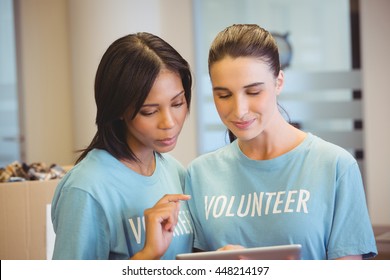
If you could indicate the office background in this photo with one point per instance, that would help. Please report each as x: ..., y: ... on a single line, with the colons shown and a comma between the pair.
x: 59, y: 44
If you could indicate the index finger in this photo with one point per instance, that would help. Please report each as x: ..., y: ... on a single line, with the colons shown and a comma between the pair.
x: 174, y: 198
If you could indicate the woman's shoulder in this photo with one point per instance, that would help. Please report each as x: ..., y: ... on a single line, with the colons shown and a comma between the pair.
x: 330, y: 150
x: 93, y: 169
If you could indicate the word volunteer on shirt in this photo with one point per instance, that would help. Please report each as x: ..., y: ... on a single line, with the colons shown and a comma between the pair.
x: 182, y: 227
x: 257, y: 204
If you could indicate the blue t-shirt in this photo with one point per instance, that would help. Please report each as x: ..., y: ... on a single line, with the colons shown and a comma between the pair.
x: 312, y: 195
x: 97, y: 209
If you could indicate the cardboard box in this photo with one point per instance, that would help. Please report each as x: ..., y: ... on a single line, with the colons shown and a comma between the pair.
x: 23, y: 216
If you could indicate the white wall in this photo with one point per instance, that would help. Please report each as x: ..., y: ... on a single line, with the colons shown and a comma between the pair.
x: 375, y: 42
x: 44, y: 80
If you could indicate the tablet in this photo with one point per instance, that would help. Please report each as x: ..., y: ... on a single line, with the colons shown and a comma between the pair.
x: 279, y: 252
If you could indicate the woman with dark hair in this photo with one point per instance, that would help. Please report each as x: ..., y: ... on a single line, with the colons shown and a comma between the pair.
x: 122, y: 198
x: 273, y: 184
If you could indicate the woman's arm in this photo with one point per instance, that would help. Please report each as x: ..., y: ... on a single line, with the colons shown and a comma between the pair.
x: 355, y: 257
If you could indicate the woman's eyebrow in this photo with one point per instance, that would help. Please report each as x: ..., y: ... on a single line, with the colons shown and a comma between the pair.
x: 220, y: 88
x: 254, y: 85
x: 177, y: 95
x: 247, y: 86
x: 156, y: 105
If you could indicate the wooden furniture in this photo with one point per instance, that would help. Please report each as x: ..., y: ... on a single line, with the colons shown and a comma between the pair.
x: 382, y: 236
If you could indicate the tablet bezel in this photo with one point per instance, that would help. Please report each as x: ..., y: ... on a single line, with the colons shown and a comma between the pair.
x: 279, y: 252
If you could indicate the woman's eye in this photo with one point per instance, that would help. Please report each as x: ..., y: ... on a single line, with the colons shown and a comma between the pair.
x: 253, y: 93
x: 147, y: 113
x: 223, y: 96
x: 178, y: 104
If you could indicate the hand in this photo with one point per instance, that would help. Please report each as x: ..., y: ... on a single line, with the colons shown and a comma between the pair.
x: 160, y: 222
x: 231, y: 247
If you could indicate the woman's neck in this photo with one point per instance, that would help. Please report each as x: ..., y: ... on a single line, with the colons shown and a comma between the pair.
x: 144, y: 166
x: 269, y: 145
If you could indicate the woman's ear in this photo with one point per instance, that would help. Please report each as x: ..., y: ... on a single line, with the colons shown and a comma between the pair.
x: 279, y: 82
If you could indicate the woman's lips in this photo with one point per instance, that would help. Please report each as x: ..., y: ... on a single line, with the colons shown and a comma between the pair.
x: 168, y: 141
x: 243, y: 124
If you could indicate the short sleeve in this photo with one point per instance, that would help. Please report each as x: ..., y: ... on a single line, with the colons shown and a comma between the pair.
x: 81, y: 227
x: 351, y: 232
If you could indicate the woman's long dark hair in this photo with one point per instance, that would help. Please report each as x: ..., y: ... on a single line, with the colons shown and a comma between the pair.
x: 246, y: 40
x: 124, y: 78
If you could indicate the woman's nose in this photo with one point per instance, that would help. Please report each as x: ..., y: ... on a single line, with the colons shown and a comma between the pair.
x: 241, y: 106
x: 167, y: 120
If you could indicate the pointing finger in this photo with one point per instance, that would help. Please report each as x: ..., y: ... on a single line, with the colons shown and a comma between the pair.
x: 174, y: 198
